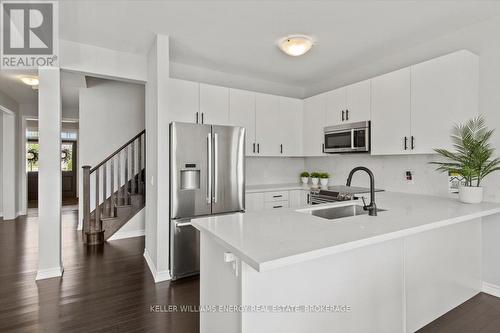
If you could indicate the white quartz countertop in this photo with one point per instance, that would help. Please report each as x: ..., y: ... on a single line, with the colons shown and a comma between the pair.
x: 276, y: 187
x: 271, y: 239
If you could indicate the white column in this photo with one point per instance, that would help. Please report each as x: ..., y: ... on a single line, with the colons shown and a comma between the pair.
x: 9, y: 166
x: 156, y: 252
x: 49, y: 174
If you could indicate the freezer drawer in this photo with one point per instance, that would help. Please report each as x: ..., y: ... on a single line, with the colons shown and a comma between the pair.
x: 184, y: 249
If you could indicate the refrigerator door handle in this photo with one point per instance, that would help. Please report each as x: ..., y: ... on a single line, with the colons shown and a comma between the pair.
x: 209, y: 182
x: 216, y: 167
x: 182, y: 224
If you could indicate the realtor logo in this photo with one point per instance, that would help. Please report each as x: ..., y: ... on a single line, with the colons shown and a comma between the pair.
x: 29, y: 34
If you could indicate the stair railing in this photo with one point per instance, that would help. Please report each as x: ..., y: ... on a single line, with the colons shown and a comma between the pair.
x: 133, y: 153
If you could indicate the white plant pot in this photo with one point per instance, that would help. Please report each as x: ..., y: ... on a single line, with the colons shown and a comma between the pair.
x: 470, y: 194
x: 305, y: 180
x: 315, y: 181
x: 324, y: 181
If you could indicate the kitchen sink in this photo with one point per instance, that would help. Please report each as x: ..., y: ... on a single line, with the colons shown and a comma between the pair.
x: 340, y: 212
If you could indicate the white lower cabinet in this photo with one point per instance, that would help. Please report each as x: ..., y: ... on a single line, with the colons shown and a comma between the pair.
x: 254, y: 201
x: 276, y: 200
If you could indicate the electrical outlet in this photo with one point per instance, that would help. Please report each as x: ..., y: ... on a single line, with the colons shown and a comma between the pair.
x: 409, y: 177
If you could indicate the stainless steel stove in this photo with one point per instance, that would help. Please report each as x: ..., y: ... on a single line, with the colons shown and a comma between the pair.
x: 319, y: 196
x: 336, y: 193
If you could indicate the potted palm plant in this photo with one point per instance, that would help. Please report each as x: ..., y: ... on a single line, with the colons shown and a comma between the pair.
x: 304, y: 176
x: 315, y: 178
x: 323, y: 178
x: 472, y: 158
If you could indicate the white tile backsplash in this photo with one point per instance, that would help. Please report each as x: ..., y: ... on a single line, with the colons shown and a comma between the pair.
x: 273, y: 170
x: 389, y: 172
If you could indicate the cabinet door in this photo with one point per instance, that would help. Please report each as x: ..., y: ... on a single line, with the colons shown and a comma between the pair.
x: 335, y: 106
x: 254, y: 201
x: 391, y: 105
x: 183, y: 100
x: 214, y: 104
x: 441, y: 93
x: 297, y: 198
x: 314, y: 119
x: 242, y: 113
x: 268, y: 124
x: 291, y: 126
x: 358, y: 102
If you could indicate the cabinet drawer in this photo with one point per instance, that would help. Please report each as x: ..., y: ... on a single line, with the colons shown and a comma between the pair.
x: 276, y: 196
x: 276, y: 204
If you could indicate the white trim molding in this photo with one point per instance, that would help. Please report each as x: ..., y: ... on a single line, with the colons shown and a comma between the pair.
x: 490, y: 289
x: 48, y: 273
x: 157, y: 276
x: 126, y: 234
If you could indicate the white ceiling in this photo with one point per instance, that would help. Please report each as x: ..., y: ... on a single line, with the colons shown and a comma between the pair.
x: 11, y: 85
x: 239, y: 37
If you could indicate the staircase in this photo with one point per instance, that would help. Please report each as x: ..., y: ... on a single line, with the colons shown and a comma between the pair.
x: 114, y: 191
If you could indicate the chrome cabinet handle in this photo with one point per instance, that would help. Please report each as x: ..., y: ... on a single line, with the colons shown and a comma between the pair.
x: 352, y: 138
x: 342, y: 115
x: 216, y: 166
x: 254, y: 147
x: 202, y: 116
x: 277, y: 206
x: 346, y: 114
x: 197, y: 117
x: 209, y: 182
x: 406, y: 143
x: 258, y: 148
x: 281, y: 148
x: 277, y: 196
x: 412, y: 142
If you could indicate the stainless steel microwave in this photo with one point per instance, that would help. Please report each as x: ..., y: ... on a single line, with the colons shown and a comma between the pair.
x: 347, y: 138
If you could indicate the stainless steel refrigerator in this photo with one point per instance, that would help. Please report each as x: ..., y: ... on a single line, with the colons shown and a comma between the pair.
x: 207, y: 176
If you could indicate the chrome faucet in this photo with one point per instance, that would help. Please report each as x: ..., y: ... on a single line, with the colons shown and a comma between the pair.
x: 372, y: 207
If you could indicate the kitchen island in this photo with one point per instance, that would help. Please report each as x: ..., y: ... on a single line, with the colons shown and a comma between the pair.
x: 291, y: 271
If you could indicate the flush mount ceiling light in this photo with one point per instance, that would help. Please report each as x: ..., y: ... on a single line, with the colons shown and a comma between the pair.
x: 30, y: 80
x: 295, y: 45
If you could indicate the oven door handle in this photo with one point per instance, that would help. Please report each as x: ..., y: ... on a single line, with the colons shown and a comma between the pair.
x: 352, y: 139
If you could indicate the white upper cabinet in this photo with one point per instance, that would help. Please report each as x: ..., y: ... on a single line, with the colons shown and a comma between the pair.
x: 335, y: 106
x: 444, y: 91
x: 183, y: 101
x: 267, y: 124
x: 348, y: 104
x: 242, y: 113
x: 314, y: 117
x: 421, y: 104
x: 290, y: 127
x: 358, y: 101
x: 214, y: 104
x: 390, y: 116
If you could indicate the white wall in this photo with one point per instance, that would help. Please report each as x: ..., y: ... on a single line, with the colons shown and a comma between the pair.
x: 110, y: 114
x: 273, y: 170
x: 389, y: 172
x: 218, y: 78
x: 157, y: 150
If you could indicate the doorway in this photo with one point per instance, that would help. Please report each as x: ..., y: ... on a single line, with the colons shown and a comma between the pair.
x: 69, y: 164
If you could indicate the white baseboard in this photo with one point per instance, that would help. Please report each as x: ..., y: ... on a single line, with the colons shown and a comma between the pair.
x: 49, y: 273
x: 491, y: 289
x: 157, y: 276
x: 126, y: 234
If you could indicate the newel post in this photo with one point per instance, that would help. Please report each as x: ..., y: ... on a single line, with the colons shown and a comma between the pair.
x: 94, y: 235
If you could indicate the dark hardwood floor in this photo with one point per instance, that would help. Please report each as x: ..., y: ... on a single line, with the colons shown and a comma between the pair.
x: 109, y: 289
